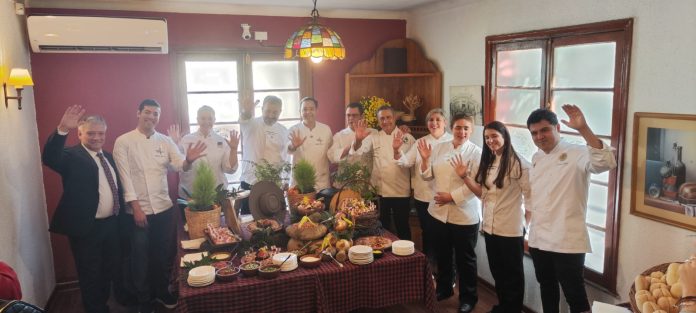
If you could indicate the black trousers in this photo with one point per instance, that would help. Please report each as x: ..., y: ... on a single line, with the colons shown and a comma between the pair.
x: 96, y: 258
x: 461, y: 238
x: 505, y: 261
x: 244, y: 203
x: 152, y: 255
x: 422, y: 210
x: 399, y: 208
x: 552, y: 268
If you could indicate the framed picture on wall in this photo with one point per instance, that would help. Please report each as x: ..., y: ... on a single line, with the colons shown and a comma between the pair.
x: 467, y: 99
x: 663, y: 186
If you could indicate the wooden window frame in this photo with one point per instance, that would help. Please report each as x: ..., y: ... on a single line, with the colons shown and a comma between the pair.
x: 622, y: 31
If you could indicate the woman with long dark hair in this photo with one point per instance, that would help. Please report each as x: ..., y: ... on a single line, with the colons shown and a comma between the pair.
x: 502, y: 183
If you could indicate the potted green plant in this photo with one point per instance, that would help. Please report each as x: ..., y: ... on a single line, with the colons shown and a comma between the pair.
x: 202, y: 206
x: 274, y: 173
x: 304, y: 177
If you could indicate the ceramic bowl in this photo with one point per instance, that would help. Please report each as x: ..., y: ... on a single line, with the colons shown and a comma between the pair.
x: 250, y: 269
x: 227, y: 274
x: 269, y: 271
x: 377, y: 254
x: 310, y: 261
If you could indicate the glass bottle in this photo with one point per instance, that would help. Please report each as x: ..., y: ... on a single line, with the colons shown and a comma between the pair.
x: 679, y: 169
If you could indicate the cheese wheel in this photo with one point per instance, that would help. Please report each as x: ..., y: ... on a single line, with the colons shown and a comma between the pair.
x: 673, y: 273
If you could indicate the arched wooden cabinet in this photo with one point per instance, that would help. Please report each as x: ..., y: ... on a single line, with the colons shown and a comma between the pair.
x: 421, y: 78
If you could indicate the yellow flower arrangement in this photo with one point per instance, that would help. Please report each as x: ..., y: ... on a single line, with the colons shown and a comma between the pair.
x: 371, y: 105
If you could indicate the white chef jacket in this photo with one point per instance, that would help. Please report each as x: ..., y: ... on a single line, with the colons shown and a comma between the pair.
x: 217, y: 155
x: 442, y: 178
x: 314, y: 149
x: 421, y: 189
x: 259, y: 142
x: 105, y: 208
x: 390, y: 179
x: 143, y: 163
x: 560, y: 182
x: 503, y: 213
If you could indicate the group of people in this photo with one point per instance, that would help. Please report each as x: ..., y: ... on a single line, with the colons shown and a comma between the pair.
x: 458, y: 188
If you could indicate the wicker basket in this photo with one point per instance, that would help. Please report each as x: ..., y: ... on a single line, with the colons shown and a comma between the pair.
x: 198, y: 221
x: 294, y: 199
x: 632, y: 292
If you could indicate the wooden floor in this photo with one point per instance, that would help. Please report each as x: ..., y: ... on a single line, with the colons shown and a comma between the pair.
x: 68, y: 301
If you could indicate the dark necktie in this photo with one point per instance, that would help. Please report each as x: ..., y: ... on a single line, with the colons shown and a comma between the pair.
x: 110, y: 179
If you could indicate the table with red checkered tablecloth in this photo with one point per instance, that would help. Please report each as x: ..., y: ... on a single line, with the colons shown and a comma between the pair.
x: 387, y: 281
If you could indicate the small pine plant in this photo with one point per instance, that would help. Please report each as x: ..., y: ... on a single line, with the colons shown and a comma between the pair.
x: 204, y: 194
x: 305, y: 176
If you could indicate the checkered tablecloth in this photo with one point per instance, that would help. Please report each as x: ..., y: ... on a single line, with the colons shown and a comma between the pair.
x: 328, y: 288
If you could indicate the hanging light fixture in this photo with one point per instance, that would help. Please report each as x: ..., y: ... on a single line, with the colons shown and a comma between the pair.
x: 315, y: 41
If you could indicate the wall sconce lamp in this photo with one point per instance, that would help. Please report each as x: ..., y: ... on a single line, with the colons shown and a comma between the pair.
x: 19, y: 77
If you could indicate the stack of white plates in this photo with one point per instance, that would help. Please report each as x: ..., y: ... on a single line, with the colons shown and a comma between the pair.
x: 360, y: 255
x: 289, y: 265
x: 403, y: 247
x: 201, y: 276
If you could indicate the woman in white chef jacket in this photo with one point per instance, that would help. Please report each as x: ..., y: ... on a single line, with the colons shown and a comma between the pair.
x: 454, y: 210
x: 437, y: 126
x: 502, y: 183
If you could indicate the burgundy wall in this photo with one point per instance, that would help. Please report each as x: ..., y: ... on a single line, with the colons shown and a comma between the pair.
x: 114, y: 84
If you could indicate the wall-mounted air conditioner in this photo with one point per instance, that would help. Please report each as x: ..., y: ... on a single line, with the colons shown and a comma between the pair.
x: 88, y: 34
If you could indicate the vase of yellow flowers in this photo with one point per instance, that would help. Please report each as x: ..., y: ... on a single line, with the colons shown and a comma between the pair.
x: 371, y: 104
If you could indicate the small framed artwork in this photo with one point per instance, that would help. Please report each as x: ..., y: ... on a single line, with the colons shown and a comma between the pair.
x: 467, y: 99
x: 663, y: 186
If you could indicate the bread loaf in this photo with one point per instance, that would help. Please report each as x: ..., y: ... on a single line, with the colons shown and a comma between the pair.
x: 666, y: 303
x: 656, y: 286
x: 650, y: 307
x: 643, y: 296
x: 673, y: 273
x: 661, y: 292
x: 676, y: 290
x: 641, y: 283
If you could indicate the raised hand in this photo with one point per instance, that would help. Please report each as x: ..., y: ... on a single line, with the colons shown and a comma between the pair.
x: 296, y: 140
x: 460, y: 167
x: 424, y: 149
x: 247, y: 104
x: 361, y: 131
x: 194, y: 152
x: 174, y: 132
x: 71, y: 118
x: 233, y: 142
x: 405, y: 129
x: 576, y: 118
x: 398, y: 140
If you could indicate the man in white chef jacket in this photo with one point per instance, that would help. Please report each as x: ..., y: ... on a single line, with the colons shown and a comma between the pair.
x: 392, y: 181
x: 310, y: 140
x: 560, y: 178
x: 263, y: 138
x: 343, y: 139
x: 143, y: 157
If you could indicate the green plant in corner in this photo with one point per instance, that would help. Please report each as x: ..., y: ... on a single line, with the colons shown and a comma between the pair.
x: 305, y: 176
x: 205, y: 193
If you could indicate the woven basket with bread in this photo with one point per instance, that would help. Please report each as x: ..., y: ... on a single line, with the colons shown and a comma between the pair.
x: 656, y: 290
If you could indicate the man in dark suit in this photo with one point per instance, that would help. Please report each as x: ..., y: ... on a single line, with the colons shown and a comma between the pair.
x: 91, y: 200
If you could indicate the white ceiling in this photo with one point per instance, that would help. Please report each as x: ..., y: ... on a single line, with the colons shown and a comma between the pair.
x: 327, y: 8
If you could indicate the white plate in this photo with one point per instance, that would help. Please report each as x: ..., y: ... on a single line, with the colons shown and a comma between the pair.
x: 201, y: 284
x: 360, y: 249
x: 202, y: 272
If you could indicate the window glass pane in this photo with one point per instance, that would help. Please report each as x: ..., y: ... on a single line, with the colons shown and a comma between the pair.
x: 595, y: 260
x: 522, y: 142
x: 601, y: 177
x: 595, y: 105
x: 520, y: 68
x: 275, y: 75
x: 211, y: 76
x: 225, y: 105
x: 291, y: 102
x: 514, y: 105
x: 584, y: 66
x: 597, y: 205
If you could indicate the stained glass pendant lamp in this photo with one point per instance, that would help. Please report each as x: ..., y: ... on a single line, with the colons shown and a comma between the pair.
x: 315, y: 41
